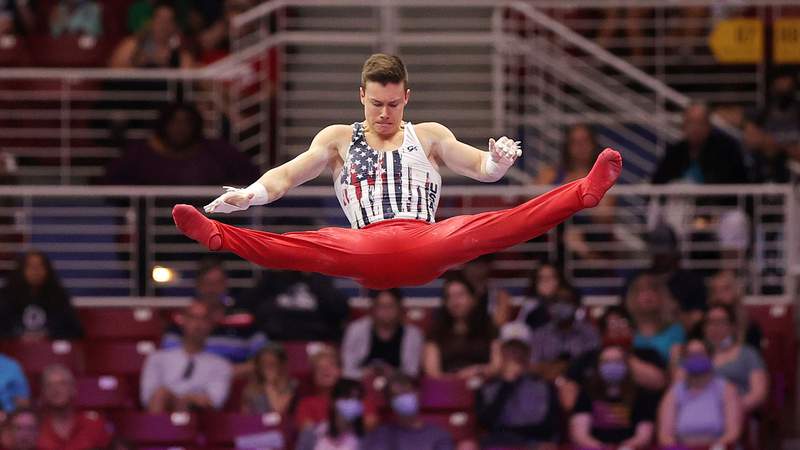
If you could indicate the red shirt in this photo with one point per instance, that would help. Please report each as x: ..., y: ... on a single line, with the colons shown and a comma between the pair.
x: 89, y: 431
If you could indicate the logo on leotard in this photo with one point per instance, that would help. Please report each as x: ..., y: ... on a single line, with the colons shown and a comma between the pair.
x: 411, y: 148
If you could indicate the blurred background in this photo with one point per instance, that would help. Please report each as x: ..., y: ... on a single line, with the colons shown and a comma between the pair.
x: 113, y: 111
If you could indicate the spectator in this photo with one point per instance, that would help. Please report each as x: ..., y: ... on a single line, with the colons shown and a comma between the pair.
x: 313, y: 409
x: 235, y: 337
x: 703, y: 156
x: 187, y: 377
x: 497, y: 302
x: 700, y: 409
x: 543, y: 287
x: 766, y: 161
x: 578, y: 156
x: 517, y: 408
x: 78, y: 17
x: 462, y: 341
x: 22, y: 430
x: 726, y: 290
x: 179, y: 154
x: 34, y: 304
x: 17, y: 17
x: 345, y: 425
x: 140, y: 13
x: 298, y: 306
x: 782, y: 115
x: 62, y: 426
x: 408, y: 431
x: 647, y: 369
x: 157, y: 45
x: 381, y: 343
x: 652, y: 309
x: 563, y: 339
x: 271, y: 389
x: 738, y: 363
x: 684, y: 286
x: 213, y: 39
x: 14, y: 390
x: 612, y: 410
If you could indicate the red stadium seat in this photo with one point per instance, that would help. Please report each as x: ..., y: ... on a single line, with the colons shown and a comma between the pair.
x: 234, y: 402
x: 117, y: 357
x: 122, y: 323
x: 104, y: 392
x: 222, y: 429
x: 445, y: 394
x: 299, y: 355
x: 157, y: 429
x: 70, y: 51
x: 34, y: 356
x: 461, y: 425
x: 14, y: 52
x: 421, y: 317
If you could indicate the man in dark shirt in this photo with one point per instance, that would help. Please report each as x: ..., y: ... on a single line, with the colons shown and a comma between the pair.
x: 298, y: 306
x: 703, y: 156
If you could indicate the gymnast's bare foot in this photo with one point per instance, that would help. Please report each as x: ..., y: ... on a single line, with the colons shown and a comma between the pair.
x: 603, y: 175
x: 197, y: 226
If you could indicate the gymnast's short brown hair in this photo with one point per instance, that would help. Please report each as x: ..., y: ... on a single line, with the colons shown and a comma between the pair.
x: 384, y: 69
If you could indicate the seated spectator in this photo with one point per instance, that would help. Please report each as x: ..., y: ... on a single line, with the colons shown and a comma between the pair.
x: 381, y: 343
x: 14, y: 390
x: 213, y: 39
x: 345, y: 425
x: 653, y: 313
x: 544, y: 284
x: 298, y: 306
x: 34, y: 304
x: 78, y: 17
x: 408, y: 431
x: 517, y: 408
x: 686, y: 287
x: 765, y: 160
x: 497, y: 302
x: 21, y: 430
x: 701, y: 408
x: 236, y: 339
x: 703, y: 156
x: 463, y: 339
x: 271, y: 389
x: 725, y: 289
x: 782, y: 115
x: 187, y: 378
x: 563, y: 339
x: 313, y: 409
x: 140, y: 13
x: 156, y: 45
x: 62, y: 426
x: 612, y: 410
x: 580, y: 151
x: 17, y: 17
x: 647, y: 369
x: 179, y: 154
x: 738, y: 363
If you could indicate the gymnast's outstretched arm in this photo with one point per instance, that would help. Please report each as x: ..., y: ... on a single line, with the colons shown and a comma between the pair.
x: 485, y: 166
x: 277, y: 181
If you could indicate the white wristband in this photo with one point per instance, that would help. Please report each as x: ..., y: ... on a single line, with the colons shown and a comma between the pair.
x: 260, y: 194
x: 494, y: 169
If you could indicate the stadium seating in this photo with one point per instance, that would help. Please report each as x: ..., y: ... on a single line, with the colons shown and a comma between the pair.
x: 34, y: 356
x: 177, y: 429
x: 107, y: 393
x: 445, y: 394
x: 122, y: 323
x: 222, y: 429
x: 118, y: 358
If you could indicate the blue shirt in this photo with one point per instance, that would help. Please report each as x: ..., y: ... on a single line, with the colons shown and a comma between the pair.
x: 236, y: 344
x: 13, y: 384
x: 663, y: 341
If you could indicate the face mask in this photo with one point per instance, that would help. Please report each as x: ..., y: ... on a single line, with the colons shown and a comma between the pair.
x: 405, y: 405
x: 697, y: 364
x: 562, y: 311
x: 349, y: 408
x: 613, y: 371
x: 726, y: 343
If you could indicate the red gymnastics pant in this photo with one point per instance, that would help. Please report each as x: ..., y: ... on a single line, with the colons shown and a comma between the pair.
x: 395, y: 252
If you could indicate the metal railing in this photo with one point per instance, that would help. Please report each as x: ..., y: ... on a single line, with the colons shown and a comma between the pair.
x: 106, y: 241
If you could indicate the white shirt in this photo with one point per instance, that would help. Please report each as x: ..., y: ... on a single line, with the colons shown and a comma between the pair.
x: 210, y: 375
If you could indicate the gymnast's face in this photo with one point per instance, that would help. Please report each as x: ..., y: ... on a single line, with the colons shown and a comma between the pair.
x: 383, y: 106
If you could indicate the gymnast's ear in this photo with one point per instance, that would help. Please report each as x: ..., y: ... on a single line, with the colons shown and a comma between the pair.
x: 361, y: 94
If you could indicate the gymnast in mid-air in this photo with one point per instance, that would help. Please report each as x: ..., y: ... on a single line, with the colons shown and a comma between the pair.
x: 386, y: 176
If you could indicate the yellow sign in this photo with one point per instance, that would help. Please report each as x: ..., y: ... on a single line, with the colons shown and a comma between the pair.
x: 786, y: 41
x: 738, y: 41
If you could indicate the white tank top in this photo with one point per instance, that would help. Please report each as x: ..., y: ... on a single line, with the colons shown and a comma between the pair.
x: 381, y: 185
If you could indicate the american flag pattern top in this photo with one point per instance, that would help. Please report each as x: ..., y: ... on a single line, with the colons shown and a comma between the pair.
x: 380, y: 185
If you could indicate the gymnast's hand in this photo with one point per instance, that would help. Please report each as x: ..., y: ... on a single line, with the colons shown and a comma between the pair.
x: 233, y: 199
x: 504, y: 151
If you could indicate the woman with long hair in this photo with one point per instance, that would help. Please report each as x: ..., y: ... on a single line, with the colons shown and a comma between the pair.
x: 34, y: 304
x: 463, y: 339
x: 270, y: 389
x: 344, y: 427
x: 653, y: 311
